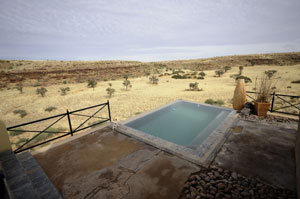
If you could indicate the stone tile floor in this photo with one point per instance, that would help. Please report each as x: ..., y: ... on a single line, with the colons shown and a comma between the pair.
x: 107, y: 164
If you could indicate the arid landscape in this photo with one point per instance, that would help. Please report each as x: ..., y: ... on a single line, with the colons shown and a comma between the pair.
x: 17, y: 107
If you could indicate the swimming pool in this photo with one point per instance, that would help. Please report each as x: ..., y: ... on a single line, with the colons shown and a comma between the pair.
x: 181, y: 127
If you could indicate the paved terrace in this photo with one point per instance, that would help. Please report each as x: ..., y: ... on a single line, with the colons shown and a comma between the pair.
x: 108, y: 164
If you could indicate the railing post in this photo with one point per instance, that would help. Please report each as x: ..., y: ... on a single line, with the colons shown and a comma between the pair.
x: 108, y: 110
x: 273, y: 99
x: 70, y: 124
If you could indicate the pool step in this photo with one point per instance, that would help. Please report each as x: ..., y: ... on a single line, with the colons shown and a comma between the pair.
x: 25, y: 178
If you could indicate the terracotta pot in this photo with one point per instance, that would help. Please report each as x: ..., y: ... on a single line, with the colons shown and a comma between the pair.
x: 261, y: 108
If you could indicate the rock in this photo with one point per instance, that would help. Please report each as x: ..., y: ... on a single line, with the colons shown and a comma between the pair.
x: 234, y: 175
x: 220, y: 170
x: 188, y: 195
x: 221, y: 186
x: 245, y: 194
x: 209, y: 196
x: 193, y: 182
x: 207, y: 179
x: 193, y: 195
x: 245, y: 111
x: 202, y: 182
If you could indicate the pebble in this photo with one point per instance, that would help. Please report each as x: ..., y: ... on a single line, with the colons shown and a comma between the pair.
x: 217, y: 183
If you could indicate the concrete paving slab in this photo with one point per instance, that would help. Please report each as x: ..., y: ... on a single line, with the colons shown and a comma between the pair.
x: 106, y: 164
x: 260, y: 150
x: 85, y: 155
x: 162, y: 177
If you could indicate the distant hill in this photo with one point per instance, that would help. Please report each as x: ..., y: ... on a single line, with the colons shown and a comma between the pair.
x: 51, y: 72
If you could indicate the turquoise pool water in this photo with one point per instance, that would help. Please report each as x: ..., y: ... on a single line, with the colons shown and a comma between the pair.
x: 183, y: 123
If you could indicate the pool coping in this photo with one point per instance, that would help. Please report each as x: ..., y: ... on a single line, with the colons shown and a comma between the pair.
x: 203, y: 155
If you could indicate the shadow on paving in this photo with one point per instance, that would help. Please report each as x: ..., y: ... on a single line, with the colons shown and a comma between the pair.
x: 261, y: 150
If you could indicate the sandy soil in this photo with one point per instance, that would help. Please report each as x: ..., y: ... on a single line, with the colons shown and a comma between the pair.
x: 141, y: 97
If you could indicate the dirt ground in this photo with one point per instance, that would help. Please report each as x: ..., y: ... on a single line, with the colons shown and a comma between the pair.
x: 142, y: 97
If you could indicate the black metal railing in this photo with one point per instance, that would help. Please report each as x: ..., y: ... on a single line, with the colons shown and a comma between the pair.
x: 293, y: 102
x: 59, y: 118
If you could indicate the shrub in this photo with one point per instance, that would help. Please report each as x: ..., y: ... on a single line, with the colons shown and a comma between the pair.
x: 63, y: 91
x: 288, y: 87
x: 36, y: 84
x: 270, y: 73
x: 41, y: 91
x: 247, y: 79
x: 200, y: 77
x: 16, y: 131
x: 227, y: 68
x: 219, y: 102
x: 65, y: 82
x: 110, y: 91
x: 127, y: 83
x: 209, y: 101
x: 177, y: 76
x: 296, y: 82
x: 194, y: 87
x: 153, y: 79
x: 21, y: 141
x: 50, y: 108
x: 202, y: 73
x: 219, y: 72
x: 20, y: 87
x: 21, y: 112
x: 92, y: 83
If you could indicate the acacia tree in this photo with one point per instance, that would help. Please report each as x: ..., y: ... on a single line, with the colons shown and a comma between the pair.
x: 227, y: 68
x: 110, y: 91
x: 194, y: 86
x: 219, y: 72
x: 41, y: 91
x: 63, y: 91
x: 126, y: 82
x: 20, y: 87
x: 241, y: 68
x: 153, y: 79
x: 270, y: 73
x: 92, y: 83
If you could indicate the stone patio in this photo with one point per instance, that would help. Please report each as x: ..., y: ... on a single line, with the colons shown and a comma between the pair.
x: 108, y: 164
x: 261, y: 151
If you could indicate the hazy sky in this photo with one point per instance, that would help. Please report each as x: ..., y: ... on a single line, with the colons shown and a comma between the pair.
x: 146, y: 30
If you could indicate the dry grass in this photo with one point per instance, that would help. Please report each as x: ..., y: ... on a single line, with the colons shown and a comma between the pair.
x: 142, y: 97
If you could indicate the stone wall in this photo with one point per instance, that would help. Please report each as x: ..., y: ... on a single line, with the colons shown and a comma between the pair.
x: 297, y: 153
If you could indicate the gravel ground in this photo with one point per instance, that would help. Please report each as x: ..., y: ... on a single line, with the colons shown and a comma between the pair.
x: 218, y: 183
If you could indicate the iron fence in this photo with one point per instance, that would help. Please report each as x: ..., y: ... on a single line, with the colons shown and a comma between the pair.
x: 59, y: 118
x: 292, y: 102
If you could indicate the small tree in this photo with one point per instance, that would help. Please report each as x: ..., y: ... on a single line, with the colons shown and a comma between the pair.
x: 20, y: 87
x: 126, y: 82
x: 110, y: 91
x: 227, y: 68
x: 92, y: 83
x: 219, y: 72
x: 241, y: 68
x: 153, y: 79
x: 270, y: 73
x: 41, y: 91
x: 63, y: 91
x: 194, y: 86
